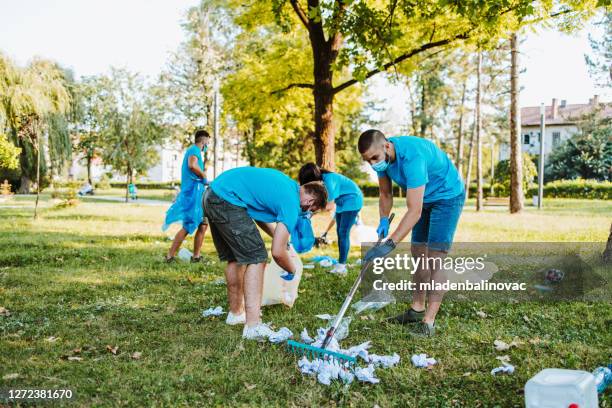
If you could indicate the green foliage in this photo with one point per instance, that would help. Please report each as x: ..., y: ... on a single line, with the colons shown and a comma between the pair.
x: 104, y: 183
x: 5, y: 189
x: 9, y: 153
x: 129, y: 131
x: 502, y: 175
x: 578, y: 188
x: 600, y: 60
x: 587, y: 155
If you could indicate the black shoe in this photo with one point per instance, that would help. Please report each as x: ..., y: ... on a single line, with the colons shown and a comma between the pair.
x: 408, y: 317
x: 196, y: 259
x: 169, y: 260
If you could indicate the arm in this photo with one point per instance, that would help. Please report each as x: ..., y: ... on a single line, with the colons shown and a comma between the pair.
x: 414, y: 201
x: 385, y: 201
x: 195, y: 168
x: 332, y: 221
x: 267, y: 227
x: 279, y: 248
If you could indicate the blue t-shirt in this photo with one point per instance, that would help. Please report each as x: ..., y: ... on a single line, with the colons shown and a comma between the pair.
x: 343, y: 191
x: 188, y: 178
x: 268, y: 194
x: 420, y: 162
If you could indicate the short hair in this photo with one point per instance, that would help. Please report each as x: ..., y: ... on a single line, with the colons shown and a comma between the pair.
x: 368, y: 138
x: 311, y: 172
x: 199, y: 135
x: 318, y: 190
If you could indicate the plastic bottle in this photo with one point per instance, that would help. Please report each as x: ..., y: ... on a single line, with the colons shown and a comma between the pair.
x: 603, y: 377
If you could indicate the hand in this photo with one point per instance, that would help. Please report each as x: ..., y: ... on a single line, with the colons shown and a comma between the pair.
x: 288, y: 276
x: 383, y: 227
x: 380, y: 251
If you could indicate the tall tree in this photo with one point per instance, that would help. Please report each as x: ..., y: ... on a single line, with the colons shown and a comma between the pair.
x: 517, y: 195
x: 599, y: 61
x: 478, y: 131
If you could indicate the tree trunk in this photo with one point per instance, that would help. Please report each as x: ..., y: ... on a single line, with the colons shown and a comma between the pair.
x: 37, y: 179
x: 423, y: 125
x: 478, y: 133
x: 492, y: 179
x: 516, y: 165
x: 325, y: 130
x: 468, y: 171
x: 459, y: 158
x: 607, y: 255
x: 89, y: 159
x: 25, y: 183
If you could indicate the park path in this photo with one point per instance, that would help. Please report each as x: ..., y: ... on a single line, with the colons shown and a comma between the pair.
x: 143, y: 201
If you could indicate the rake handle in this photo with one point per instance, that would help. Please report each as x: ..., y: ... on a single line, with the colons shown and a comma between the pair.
x: 332, y: 330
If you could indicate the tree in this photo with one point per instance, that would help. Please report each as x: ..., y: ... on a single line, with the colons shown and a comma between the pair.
x: 129, y: 132
x: 372, y: 37
x: 600, y: 61
x: 586, y: 155
x: 516, y: 175
x: 9, y: 153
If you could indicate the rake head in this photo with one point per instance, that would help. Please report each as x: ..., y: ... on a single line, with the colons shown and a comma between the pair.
x: 312, y: 352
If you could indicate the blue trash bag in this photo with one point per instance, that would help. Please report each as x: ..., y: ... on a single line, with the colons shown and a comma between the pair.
x: 187, y: 209
x: 302, y: 237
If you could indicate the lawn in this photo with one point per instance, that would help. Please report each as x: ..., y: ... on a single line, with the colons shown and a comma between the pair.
x: 81, y: 279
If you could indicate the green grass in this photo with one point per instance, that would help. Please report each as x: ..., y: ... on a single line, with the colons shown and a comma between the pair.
x: 91, y: 276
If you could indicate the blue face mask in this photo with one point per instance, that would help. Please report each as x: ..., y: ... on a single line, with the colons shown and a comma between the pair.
x: 205, y: 148
x: 381, y: 165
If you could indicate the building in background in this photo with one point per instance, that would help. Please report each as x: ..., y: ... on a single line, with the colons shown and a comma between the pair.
x: 561, y: 120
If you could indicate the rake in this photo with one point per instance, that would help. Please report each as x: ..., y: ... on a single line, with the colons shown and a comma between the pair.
x: 313, y: 352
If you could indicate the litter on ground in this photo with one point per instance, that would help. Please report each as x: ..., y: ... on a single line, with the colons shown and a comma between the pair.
x: 324, y: 260
x: 217, y: 311
x: 422, y: 361
x: 504, y: 369
x: 305, y: 337
x: 283, y: 334
x: 343, y: 328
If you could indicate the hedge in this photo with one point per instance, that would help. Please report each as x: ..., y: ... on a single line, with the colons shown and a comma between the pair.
x: 578, y: 188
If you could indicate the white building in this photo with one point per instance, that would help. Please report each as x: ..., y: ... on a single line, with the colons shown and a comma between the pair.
x: 561, y: 123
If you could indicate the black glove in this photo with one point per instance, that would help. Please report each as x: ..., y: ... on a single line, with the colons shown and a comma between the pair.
x: 380, y: 251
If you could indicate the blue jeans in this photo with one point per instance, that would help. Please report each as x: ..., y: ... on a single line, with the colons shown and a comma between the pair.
x: 438, y: 222
x: 344, y: 222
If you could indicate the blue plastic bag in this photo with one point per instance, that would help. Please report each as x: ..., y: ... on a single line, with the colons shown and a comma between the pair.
x: 302, y: 237
x: 187, y: 209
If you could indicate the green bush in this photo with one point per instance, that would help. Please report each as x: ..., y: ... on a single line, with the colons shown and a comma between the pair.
x: 104, y: 183
x: 502, y: 175
x: 579, y: 188
x: 148, y: 185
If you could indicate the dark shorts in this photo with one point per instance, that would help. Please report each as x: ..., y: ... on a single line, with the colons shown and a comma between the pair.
x: 438, y: 222
x: 234, y: 233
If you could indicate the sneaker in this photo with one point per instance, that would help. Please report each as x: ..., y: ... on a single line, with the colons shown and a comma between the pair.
x: 339, y: 269
x: 260, y: 332
x: 170, y: 259
x: 196, y: 259
x: 234, y: 319
x: 409, y: 316
x: 422, y: 329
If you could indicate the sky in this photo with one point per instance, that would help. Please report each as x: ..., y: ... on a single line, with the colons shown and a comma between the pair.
x: 90, y: 36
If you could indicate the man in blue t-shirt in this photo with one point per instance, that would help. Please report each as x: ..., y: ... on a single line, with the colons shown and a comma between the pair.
x: 434, y: 197
x: 187, y: 209
x: 280, y: 207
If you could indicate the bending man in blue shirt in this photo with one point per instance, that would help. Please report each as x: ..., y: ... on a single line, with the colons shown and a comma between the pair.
x: 279, y: 206
x: 434, y: 197
x: 348, y: 200
x: 187, y: 209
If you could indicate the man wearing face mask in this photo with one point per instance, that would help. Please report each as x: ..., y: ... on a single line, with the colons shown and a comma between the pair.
x: 281, y: 208
x: 434, y: 196
x: 188, y: 209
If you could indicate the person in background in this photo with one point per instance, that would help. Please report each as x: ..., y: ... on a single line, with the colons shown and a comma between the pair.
x: 347, y: 198
x: 434, y: 198
x: 187, y: 209
x: 281, y: 208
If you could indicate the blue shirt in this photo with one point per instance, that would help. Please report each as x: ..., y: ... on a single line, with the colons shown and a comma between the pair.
x: 268, y: 194
x: 419, y: 162
x: 344, y: 191
x: 188, y: 177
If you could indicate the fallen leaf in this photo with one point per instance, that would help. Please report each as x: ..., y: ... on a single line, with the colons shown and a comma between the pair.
x: 501, y: 345
x: 104, y: 258
x: 249, y: 386
x: 481, y: 314
x: 136, y: 355
x: 466, y: 374
x: 364, y: 317
x: 504, y: 359
x: 308, y: 275
x: 4, y: 312
x: 52, y: 339
x: 77, y: 350
x: 112, y: 349
x: 526, y: 319
x: 74, y: 358
x: 12, y: 376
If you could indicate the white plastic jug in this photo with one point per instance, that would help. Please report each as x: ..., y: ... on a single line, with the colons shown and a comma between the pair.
x: 277, y: 290
x: 558, y: 388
